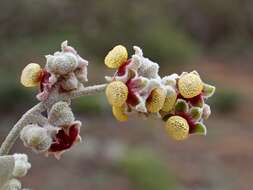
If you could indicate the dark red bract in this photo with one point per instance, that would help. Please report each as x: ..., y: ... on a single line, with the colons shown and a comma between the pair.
x: 122, y: 69
x: 189, y: 120
x: 44, y: 81
x: 195, y: 101
x: 131, y: 98
x: 63, y: 140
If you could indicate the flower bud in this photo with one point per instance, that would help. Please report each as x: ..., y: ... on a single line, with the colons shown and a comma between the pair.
x: 116, y: 93
x: 31, y: 74
x: 12, y: 184
x: 155, y: 100
x: 177, y: 127
x: 116, y: 57
x: 6, y: 168
x: 61, y: 63
x: 208, y: 90
x: 190, y: 85
x: 61, y: 114
x: 21, y: 165
x: 196, y: 113
x: 148, y: 68
x: 170, y: 100
x: 170, y: 80
x: 119, y: 113
x: 69, y: 82
x: 36, y: 138
x: 81, y: 74
x: 199, y: 129
x: 206, y: 111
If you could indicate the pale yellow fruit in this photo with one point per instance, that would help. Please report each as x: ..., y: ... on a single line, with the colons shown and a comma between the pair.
x: 30, y: 75
x: 119, y: 113
x: 116, y: 57
x: 170, y: 101
x: 190, y: 85
x: 156, y: 100
x: 177, y: 128
x: 116, y: 93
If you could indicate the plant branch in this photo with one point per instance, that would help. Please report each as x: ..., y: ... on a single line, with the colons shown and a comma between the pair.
x: 35, y: 112
x: 87, y: 91
x: 15, y: 131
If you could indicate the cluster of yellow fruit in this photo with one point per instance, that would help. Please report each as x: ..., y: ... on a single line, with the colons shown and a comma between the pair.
x: 136, y: 87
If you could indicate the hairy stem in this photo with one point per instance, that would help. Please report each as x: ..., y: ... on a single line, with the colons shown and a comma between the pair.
x: 15, y: 131
x: 35, y: 111
x: 87, y: 91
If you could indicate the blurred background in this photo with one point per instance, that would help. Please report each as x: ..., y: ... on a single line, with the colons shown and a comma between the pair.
x: 212, y: 36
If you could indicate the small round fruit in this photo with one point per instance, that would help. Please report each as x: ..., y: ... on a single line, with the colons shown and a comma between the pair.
x: 177, y: 127
x: 31, y: 74
x: 190, y: 85
x: 170, y: 101
x: 116, y: 57
x: 119, y: 113
x: 155, y: 100
x: 116, y: 93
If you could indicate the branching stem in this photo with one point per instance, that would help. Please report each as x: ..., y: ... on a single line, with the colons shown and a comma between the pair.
x: 34, y: 114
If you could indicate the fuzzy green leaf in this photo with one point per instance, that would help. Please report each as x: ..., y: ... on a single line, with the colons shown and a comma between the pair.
x: 199, y: 129
x: 196, y: 113
x: 208, y: 90
x: 181, y: 106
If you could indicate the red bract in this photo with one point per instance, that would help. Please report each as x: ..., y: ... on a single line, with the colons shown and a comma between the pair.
x: 189, y: 120
x: 132, y: 98
x: 65, y: 138
x: 195, y: 101
x: 122, y: 69
x: 44, y: 80
x: 45, y: 86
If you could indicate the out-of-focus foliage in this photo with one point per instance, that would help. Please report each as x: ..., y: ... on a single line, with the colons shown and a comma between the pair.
x: 147, y: 171
x: 12, y: 95
x: 215, y: 22
x: 169, y: 31
x: 226, y: 101
x: 91, y: 104
x: 101, y: 24
x: 98, y: 25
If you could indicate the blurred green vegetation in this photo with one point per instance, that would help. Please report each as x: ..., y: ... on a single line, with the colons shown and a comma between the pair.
x: 147, y: 171
x: 101, y: 24
x: 12, y: 95
x: 216, y: 23
x: 91, y: 104
x: 170, y: 32
x: 226, y: 100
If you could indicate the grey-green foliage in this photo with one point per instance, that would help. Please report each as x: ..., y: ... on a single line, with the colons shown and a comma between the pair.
x: 98, y: 26
x: 12, y: 94
x: 101, y: 24
x: 226, y: 100
x: 147, y: 171
x: 91, y: 104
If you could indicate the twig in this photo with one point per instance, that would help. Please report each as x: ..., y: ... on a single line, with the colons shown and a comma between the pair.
x: 28, y: 117
x: 87, y: 91
x: 15, y: 131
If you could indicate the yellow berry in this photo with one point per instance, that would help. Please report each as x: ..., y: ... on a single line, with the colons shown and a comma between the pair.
x: 170, y: 101
x: 116, y: 57
x: 190, y: 85
x: 177, y: 127
x: 119, y: 113
x: 116, y: 93
x: 155, y: 100
x: 30, y: 75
